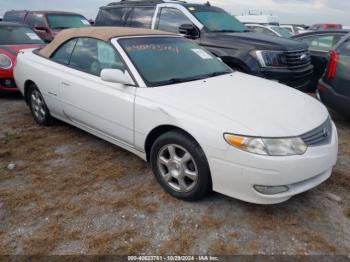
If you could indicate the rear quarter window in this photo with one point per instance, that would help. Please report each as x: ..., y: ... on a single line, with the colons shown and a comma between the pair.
x: 111, y: 16
x: 64, y: 52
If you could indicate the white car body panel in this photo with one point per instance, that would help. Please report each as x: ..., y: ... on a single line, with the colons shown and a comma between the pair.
x: 206, y: 109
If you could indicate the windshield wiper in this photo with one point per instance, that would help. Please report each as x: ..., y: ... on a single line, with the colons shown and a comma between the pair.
x: 189, y: 79
x: 61, y: 27
x: 178, y: 80
x: 217, y: 73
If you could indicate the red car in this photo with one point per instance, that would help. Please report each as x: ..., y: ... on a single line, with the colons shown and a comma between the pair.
x: 13, y: 38
x: 326, y: 27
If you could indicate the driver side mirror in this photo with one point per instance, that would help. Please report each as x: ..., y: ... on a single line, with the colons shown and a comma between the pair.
x: 116, y: 76
x: 189, y: 30
x: 41, y: 27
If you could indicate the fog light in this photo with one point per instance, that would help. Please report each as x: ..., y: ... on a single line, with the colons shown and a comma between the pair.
x: 7, y: 82
x: 271, y: 190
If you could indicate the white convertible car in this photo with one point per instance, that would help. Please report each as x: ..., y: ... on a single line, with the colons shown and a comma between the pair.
x: 202, y: 126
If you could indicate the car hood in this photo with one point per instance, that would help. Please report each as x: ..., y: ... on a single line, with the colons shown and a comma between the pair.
x: 14, y: 49
x: 252, y: 41
x: 243, y: 104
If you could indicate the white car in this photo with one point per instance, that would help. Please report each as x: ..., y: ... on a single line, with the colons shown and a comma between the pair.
x: 202, y: 126
x: 272, y: 30
x: 293, y: 29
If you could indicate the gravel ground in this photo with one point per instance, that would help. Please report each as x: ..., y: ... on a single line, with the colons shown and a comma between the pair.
x: 63, y: 191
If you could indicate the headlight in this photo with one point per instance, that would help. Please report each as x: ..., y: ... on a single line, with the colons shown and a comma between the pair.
x: 269, y: 58
x: 5, y: 62
x: 268, y: 146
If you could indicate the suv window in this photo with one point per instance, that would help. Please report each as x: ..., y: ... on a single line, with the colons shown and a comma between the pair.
x: 141, y: 17
x: 15, y: 16
x: 171, y: 19
x: 344, y: 49
x: 92, y: 55
x: 321, y: 42
x: 111, y: 16
x: 40, y: 20
x: 63, y: 54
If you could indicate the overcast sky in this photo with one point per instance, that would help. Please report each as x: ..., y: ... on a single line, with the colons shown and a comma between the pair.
x: 289, y: 11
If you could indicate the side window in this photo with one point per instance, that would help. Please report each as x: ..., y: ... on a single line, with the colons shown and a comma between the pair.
x: 288, y: 28
x: 40, y: 21
x: 15, y: 16
x: 111, y: 16
x: 63, y: 54
x: 141, y: 17
x: 321, y: 43
x: 344, y: 49
x: 268, y: 32
x: 92, y: 55
x: 171, y: 19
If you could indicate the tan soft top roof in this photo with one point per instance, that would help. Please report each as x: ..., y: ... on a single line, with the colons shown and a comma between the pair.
x: 102, y: 33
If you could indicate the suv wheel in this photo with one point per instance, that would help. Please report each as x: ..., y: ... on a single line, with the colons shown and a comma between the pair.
x: 180, y: 166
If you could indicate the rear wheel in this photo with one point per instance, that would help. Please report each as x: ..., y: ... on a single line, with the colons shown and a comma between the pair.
x: 40, y: 112
x: 180, y: 166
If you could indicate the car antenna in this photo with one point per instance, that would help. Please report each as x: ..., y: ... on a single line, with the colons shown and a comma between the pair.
x: 207, y: 3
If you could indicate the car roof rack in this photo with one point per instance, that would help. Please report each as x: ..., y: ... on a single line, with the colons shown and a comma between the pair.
x: 121, y: 2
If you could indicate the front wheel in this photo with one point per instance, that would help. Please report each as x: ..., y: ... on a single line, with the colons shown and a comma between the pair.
x: 180, y: 166
x: 40, y: 112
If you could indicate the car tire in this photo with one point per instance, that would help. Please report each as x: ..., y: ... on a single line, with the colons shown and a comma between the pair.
x: 180, y: 166
x: 40, y: 111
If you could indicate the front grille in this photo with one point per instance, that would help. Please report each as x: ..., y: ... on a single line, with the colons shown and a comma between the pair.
x: 321, y: 135
x: 297, y: 59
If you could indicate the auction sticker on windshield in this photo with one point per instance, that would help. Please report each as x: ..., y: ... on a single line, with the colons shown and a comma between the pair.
x: 33, y: 36
x: 202, y: 53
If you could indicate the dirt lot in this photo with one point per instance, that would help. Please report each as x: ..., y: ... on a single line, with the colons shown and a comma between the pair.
x: 63, y: 191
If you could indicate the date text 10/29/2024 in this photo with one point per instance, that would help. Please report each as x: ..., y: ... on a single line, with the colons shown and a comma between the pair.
x: 173, y: 258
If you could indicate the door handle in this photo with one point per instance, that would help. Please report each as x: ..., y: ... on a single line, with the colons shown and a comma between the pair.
x: 65, y: 84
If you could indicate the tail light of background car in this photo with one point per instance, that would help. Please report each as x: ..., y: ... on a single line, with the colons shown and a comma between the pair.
x: 333, y: 63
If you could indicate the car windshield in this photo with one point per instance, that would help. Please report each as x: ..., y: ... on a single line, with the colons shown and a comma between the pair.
x: 67, y: 21
x: 217, y: 20
x: 170, y: 60
x: 17, y: 35
x: 282, y: 31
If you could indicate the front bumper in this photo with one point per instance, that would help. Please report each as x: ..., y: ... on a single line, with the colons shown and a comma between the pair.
x: 296, y: 78
x: 8, y: 85
x: 239, y: 171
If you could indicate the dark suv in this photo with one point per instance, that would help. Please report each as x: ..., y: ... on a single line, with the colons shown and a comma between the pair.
x: 46, y: 23
x: 284, y: 60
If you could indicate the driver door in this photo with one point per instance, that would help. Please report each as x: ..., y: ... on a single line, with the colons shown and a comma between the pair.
x: 88, y: 101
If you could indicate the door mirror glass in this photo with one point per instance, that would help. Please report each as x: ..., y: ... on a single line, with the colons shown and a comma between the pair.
x: 189, y: 30
x: 116, y: 76
x: 41, y: 27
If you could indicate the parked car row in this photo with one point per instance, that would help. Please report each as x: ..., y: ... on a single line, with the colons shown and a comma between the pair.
x: 47, y: 23
x: 283, y: 60
x: 272, y: 30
